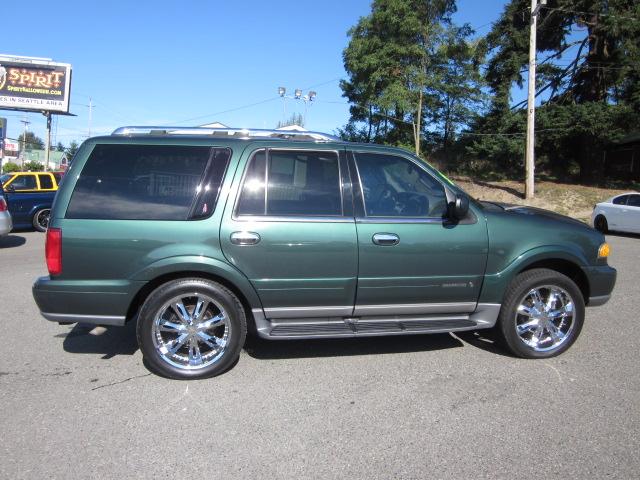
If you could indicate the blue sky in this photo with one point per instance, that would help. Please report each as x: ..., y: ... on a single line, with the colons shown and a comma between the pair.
x: 191, y: 62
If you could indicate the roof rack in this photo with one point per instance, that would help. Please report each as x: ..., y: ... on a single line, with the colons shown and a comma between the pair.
x: 242, y: 133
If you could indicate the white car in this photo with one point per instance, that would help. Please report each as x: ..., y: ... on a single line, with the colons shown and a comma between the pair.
x: 620, y: 213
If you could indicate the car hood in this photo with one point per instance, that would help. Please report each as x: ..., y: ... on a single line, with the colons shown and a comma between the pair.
x: 539, y: 213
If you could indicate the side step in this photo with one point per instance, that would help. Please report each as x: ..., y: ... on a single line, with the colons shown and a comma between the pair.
x: 335, y: 327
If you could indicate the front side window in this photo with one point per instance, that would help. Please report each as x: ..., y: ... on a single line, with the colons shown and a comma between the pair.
x: 621, y: 200
x: 394, y: 186
x: 303, y: 183
x: 142, y: 182
x: 24, y: 182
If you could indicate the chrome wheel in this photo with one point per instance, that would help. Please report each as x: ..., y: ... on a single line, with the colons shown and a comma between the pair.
x: 41, y: 220
x: 191, y: 331
x: 545, y: 317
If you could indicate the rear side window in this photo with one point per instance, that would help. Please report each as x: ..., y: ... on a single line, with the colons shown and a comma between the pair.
x: 634, y: 201
x: 302, y: 183
x: 148, y: 182
x: 45, y: 181
x: 621, y: 200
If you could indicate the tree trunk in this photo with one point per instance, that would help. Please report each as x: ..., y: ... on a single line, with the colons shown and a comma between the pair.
x: 418, y: 125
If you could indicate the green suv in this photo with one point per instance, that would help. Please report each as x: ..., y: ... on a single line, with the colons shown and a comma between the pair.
x: 200, y: 235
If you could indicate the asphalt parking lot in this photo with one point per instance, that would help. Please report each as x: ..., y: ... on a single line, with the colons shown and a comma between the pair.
x: 77, y: 401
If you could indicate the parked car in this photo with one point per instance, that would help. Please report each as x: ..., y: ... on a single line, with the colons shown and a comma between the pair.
x: 6, y: 223
x: 30, y: 209
x: 199, y: 235
x: 620, y: 213
x: 31, y: 181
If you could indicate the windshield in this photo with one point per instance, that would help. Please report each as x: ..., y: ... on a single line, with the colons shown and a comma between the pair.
x: 5, y: 177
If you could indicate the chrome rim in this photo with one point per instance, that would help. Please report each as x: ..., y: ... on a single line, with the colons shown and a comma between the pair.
x: 191, y: 331
x: 545, y: 317
x: 43, y: 218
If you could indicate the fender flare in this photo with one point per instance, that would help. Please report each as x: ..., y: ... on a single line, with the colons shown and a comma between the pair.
x: 206, y: 265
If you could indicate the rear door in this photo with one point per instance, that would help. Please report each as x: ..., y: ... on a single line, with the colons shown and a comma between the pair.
x: 632, y: 216
x: 412, y: 259
x: 291, y: 231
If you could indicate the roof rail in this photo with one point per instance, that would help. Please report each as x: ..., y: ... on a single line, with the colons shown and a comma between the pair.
x: 243, y: 133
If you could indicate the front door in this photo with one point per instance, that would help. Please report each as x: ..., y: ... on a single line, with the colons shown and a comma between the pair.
x: 291, y: 231
x: 411, y: 259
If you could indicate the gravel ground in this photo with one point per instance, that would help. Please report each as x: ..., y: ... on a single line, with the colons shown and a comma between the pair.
x: 79, y: 403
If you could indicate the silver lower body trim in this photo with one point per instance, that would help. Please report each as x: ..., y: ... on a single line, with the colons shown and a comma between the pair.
x: 414, y: 308
x: 308, y: 312
x: 484, y: 316
x: 92, y: 319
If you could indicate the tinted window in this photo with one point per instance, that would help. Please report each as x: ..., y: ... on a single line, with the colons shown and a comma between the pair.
x: 621, y: 200
x: 139, y: 182
x: 634, y: 201
x: 24, y: 182
x: 45, y: 181
x: 299, y: 183
x: 396, y: 187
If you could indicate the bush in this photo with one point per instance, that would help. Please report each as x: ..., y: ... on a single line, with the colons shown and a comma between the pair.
x: 33, y: 167
x: 10, y: 167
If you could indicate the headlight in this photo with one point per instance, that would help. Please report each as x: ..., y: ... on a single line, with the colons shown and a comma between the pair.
x: 604, y: 250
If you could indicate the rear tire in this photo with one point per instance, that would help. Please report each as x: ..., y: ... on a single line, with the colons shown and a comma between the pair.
x: 191, y: 328
x: 600, y: 224
x: 542, y: 314
x: 41, y: 219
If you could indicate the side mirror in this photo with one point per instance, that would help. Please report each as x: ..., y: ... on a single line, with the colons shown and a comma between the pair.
x: 459, y: 207
x: 10, y: 188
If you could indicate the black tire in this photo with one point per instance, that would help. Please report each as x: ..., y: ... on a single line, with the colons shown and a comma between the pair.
x: 517, y: 293
x: 150, y: 335
x: 41, y: 219
x: 600, y: 224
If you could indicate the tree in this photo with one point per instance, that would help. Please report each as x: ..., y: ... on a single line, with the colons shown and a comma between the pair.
x: 392, y: 60
x: 60, y: 147
x: 29, y: 141
x: 588, y: 57
x: 71, y: 151
x: 295, y: 119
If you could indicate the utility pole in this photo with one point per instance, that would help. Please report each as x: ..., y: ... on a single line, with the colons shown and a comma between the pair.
x: 24, y: 138
x: 90, y: 115
x: 47, y: 145
x: 530, y: 165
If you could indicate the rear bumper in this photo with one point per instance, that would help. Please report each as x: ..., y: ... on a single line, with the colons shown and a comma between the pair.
x: 602, y: 279
x: 6, y: 225
x: 96, y: 302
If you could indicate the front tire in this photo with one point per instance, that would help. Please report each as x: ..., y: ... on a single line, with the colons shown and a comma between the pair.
x: 542, y: 314
x: 41, y: 219
x: 191, y: 328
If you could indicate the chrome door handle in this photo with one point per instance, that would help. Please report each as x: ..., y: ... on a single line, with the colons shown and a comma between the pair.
x: 386, y: 239
x: 244, y: 238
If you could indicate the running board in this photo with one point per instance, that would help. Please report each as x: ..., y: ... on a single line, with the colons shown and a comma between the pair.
x: 336, y: 327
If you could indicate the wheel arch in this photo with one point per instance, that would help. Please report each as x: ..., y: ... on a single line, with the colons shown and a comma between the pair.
x: 566, y: 267
x: 223, y: 274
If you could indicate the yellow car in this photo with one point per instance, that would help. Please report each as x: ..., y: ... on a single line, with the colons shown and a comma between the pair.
x: 31, y: 181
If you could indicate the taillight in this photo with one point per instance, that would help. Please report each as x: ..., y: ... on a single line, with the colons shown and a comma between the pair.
x: 3, y: 205
x: 53, y: 251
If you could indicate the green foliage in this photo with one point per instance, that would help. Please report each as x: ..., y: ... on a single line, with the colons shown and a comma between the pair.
x: 33, y: 167
x: 60, y: 147
x: 397, y: 59
x: 71, y: 151
x: 10, y: 167
x: 588, y: 57
x: 30, y: 141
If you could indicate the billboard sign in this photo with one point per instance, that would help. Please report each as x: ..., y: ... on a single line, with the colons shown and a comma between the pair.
x: 34, y: 85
